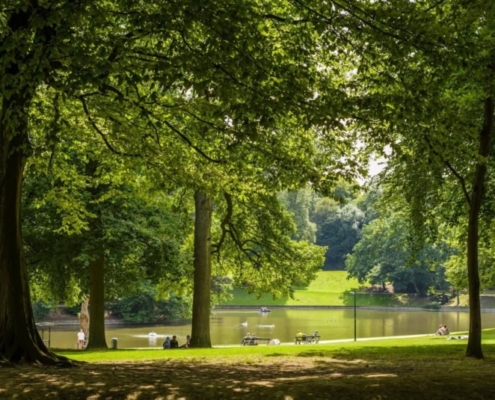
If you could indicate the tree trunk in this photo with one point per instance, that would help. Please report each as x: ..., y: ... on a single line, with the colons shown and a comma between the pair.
x: 96, y: 339
x: 19, y: 338
x: 84, y: 317
x: 200, y: 334
x: 474, y: 342
x: 418, y: 293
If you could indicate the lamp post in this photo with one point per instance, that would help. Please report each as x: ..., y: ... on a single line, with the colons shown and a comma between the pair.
x: 355, y: 319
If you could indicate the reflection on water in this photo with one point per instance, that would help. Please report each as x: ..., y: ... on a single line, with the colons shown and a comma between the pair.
x: 230, y: 326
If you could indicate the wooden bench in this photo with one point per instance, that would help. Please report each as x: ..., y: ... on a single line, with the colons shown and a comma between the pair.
x: 254, y: 341
x: 307, y: 339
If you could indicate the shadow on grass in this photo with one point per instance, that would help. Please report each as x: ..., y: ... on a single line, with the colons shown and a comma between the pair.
x: 314, y: 374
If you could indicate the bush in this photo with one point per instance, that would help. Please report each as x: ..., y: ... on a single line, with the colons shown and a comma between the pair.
x: 433, y: 306
x: 41, y: 310
x: 144, y: 309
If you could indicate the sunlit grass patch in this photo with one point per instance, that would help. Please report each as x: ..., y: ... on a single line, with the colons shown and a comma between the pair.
x: 326, y: 289
x: 392, y: 349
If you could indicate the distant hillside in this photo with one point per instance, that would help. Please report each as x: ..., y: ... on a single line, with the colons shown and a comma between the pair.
x: 331, y: 288
x: 327, y: 289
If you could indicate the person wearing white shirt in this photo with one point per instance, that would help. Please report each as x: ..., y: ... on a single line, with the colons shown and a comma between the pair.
x: 80, y: 339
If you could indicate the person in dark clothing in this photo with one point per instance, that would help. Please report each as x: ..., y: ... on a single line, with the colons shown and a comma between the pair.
x: 174, y: 344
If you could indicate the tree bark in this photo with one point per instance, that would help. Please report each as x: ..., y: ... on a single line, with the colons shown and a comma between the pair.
x: 19, y: 338
x: 474, y: 342
x: 200, y: 334
x: 84, y: 317
x: 96, y: 339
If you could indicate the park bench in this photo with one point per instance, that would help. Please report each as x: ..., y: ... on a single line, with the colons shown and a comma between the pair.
x: 307, y: 339
x: 254, y: 340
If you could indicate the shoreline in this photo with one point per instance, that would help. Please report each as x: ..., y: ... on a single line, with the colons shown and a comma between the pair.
x: 69, y: 322
x: 378, y: 308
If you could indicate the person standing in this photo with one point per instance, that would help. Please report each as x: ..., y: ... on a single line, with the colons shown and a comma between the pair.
x: 80, y: 339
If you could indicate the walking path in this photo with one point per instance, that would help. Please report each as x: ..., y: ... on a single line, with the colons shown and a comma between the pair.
x: 344, y: 340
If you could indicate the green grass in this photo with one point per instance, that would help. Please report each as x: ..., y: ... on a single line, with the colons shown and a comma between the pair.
x: 417, y: 348
x: 426, y: 367
x: 332, y: 288
x: 329, y: 288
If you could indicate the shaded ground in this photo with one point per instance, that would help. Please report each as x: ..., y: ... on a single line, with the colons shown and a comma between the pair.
x: 311, y: 375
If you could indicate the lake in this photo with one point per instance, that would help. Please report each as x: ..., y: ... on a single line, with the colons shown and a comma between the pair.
x: 228, y: 327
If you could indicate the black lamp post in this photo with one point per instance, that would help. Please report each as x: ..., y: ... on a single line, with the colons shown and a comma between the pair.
x: 355, y: 319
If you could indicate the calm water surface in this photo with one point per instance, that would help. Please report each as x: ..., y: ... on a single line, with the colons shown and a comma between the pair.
x: 228, y: 327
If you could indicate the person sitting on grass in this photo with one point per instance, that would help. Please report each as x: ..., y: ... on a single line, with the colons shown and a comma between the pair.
x: 442, y: 330
x: 174, y: 344
x: 187, y: 344
x: 166, y: 343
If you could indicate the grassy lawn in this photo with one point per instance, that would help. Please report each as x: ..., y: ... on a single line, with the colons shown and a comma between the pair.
x: 410, y: 368
x: 390, y: 349
x: 332, y: 288
x: 329, y: 288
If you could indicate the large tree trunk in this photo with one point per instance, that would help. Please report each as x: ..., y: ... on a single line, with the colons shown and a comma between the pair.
x: 96, y: 338
x: 19, y: 338
x: 200, y: 334
x: 474, y: 342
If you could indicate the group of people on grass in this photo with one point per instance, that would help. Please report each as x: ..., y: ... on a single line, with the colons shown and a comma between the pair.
x: 442, y: 330
x: 167, y: 344
x: 174, y: 343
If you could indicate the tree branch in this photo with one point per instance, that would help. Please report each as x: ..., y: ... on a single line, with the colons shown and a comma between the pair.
x: 168, y: 124
x: 451, y: 169
x: 282, y: 19
x: 98, y: 130
x: 224, y: 224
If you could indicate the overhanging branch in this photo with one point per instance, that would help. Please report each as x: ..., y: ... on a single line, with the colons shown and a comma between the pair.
x: 100, y: 132
x: 451, y: 169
